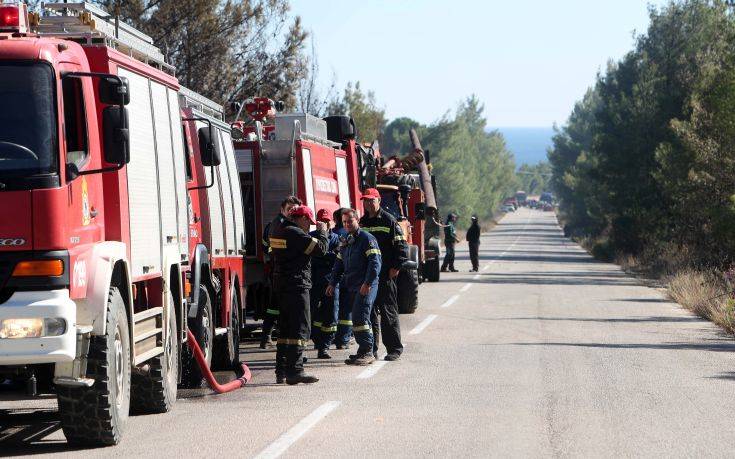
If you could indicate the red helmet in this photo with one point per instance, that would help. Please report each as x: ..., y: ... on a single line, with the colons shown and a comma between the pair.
x: 370, y: 193
x: 302, y: 211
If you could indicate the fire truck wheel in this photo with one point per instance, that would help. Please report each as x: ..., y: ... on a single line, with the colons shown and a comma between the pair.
x: 203, y: 328
x: 94, y: 416
x: 154, y: 391
x: 227, y: 348
x: 408, y: 291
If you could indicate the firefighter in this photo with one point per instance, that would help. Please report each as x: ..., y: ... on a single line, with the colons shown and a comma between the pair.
x: 450, y: 238
x: 292, y: 248
x: 271, y: 313
x: 393, y: 254
x: 323, y: 307
x: 358, y: 269
x: 473, y: 240
x: 344, y: 310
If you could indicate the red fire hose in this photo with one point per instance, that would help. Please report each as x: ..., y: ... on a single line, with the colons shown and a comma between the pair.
x: 217, y: 387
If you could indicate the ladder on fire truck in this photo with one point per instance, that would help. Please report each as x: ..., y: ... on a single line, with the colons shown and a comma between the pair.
x: 89, y: 24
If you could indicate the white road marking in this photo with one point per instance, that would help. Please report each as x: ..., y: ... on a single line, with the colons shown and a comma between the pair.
x: 466, y: 287
x: 372, y: 369
x: 476, y: 276
x: 291, y: 436
x: 487, y: 266
x: 424, y: 323
x: 450, y: 301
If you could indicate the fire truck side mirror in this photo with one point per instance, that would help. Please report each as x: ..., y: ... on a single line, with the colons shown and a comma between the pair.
x: 116, y: 141
x: 112, y: 92
x: 420, y: 210
x: 208, y: 148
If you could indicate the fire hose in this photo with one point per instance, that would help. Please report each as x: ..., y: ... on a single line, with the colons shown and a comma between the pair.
x: 211, y: 381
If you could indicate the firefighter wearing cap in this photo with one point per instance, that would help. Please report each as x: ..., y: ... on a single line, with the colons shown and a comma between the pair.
x: 271, y: 312
x: 473, y: 241
x: 323, y: 307
x: 394, y: 253
x: 357, y: 269
x: 292, y: 248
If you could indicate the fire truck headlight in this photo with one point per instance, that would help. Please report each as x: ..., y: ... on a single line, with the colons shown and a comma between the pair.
x: 31, y: 328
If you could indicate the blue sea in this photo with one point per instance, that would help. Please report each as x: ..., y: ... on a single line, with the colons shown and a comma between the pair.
x: 528, y: 144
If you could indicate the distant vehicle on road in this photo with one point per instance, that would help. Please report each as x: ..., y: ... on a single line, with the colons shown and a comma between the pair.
x: 507, y: 208
x: 547, y: 197
x: 521, y: 198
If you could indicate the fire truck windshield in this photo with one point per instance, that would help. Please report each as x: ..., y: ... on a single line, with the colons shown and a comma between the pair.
x: 27, y: 120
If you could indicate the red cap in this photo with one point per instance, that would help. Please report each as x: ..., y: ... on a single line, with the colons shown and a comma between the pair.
x: 370, y: 193
x: 303, y: 211
x: 323, y: 215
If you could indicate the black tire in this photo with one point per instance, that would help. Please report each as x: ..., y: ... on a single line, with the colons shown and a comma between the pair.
x: 155, y: 390
x: 227, y: 348
x: 203, y: 329
x: 96, y: 416
x: 408, y: 291
x: 432, y: 270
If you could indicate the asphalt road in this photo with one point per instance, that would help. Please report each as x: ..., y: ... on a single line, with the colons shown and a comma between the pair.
x: 544, y: 353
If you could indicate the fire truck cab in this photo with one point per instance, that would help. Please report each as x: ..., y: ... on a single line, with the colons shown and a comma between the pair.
x: 94, y: 238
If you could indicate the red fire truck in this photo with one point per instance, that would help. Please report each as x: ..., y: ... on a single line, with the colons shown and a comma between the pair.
x: 216, y: 236
x: 295, y: 154
x: 95, y: 261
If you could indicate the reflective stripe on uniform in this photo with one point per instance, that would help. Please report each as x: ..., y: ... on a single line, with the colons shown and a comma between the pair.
x: 362, y: 328
x: 333, y: 328
x: 372, y: 252
x: 273, y: 312
x: 317, y: 324
x: 311, y: 246
x: 399, y: 237
x: 339, y: 256
x: 345, y: 322
x: 377, y: 229
x: 278, y: 243
x: 291, y: 341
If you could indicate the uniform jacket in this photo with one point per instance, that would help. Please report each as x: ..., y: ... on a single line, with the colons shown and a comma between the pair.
x: 358, y: 262
x: 391, y: 241
x: 292, y: 249
x: 473, y: 234
x: 450, y: 234
x: 321, y: 266
x: 273, y: 224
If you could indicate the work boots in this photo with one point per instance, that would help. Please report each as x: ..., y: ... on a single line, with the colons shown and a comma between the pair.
x: 323, y: 354
x: 361, y: 360
x: 266, y: 341
x: 301, y: 378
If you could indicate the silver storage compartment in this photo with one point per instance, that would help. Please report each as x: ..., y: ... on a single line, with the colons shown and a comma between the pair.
x: 311, y: 125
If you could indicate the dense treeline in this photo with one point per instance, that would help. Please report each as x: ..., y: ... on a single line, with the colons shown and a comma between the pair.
x: 646, y: 162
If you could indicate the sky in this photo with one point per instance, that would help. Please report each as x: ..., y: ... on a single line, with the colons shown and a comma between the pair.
x: 527, y: 61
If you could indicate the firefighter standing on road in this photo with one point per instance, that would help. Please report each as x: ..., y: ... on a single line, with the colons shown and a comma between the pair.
x: 344, y: 310
x: 323, y: 307
x: 450, y: 238
x: 393, y: 252
x: 473, y: 240
x: 292, y: 249
x: 358, y: 268
x: 271, y: 313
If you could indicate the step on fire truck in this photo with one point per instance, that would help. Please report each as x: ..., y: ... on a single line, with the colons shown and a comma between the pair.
x: 95, y: 261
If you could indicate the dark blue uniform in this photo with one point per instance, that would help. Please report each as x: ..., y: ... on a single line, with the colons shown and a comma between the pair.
x: 323, y: 307
x: 358, y: 263
x: 393, y: 253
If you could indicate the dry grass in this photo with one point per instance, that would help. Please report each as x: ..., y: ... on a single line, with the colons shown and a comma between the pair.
x: 704, y: 294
